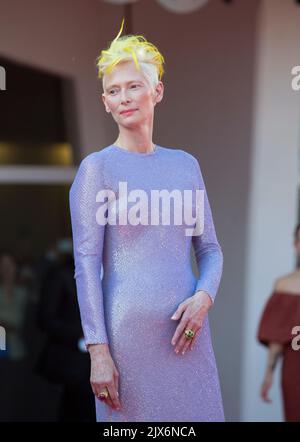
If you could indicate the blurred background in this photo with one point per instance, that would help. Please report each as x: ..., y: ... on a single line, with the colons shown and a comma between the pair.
x: 228, y: 100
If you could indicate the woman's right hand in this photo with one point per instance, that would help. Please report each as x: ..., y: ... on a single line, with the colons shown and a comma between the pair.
x: 265, y: 387
x: 104, y: 374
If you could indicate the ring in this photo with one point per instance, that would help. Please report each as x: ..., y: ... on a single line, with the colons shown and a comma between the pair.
x: 103, y: 394
x: 189, y: 334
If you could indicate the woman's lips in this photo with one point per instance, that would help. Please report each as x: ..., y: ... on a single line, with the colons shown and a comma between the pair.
x: 128, y: 111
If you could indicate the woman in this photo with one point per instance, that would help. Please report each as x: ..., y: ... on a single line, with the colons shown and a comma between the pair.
x: 13, y: 302
x: 61, y: 360
x: 281, y: 314
x: 13, y: 358
x: 129, y: 317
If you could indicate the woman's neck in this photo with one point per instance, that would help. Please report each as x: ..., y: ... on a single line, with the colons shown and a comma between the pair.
x: 138, y: 142
x: 141, y: 148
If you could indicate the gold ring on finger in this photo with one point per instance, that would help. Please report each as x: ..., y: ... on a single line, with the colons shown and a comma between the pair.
x: 103, y: 393
x: 189, y: 334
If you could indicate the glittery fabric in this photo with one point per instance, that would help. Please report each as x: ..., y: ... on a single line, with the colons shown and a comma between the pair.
x: 147, y: 273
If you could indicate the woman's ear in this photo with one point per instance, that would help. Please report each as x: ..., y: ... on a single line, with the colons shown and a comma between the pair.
x: 106, y: 107
x: 159, y: 92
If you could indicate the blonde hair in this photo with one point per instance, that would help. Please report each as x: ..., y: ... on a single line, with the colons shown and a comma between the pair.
x: 145, y: 55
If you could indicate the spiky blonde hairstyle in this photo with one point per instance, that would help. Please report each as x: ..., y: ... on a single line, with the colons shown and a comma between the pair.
x: 145, y: 55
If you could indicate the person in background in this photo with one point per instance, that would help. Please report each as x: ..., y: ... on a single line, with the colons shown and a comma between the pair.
x: 13, y: 354
x: 13, y: 302
x: 65, y: 360
x: 280, y: 315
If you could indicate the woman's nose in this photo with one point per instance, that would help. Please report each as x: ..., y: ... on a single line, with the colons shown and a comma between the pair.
x: 124, y: 98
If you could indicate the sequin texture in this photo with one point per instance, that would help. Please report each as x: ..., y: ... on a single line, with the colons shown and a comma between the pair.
x: 147, y: 273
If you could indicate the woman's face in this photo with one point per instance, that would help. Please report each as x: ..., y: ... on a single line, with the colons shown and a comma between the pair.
x: 126, y: 88
x: 7, y: 268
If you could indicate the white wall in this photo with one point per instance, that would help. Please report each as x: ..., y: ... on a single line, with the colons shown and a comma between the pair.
x: 273, y: 198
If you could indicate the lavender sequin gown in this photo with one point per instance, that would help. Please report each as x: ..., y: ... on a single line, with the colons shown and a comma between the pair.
x: 147, y: 273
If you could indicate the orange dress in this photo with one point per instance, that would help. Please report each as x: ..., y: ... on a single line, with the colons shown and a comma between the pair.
x: 280, y: 315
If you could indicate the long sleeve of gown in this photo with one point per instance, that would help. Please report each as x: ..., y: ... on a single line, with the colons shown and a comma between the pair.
x: 208, y: 252
x: 88, y: 238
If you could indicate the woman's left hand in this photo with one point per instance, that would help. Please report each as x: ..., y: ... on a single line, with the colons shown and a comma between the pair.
x: 194, y: 310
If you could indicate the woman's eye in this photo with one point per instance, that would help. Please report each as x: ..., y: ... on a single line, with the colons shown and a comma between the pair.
x: 113, y: 90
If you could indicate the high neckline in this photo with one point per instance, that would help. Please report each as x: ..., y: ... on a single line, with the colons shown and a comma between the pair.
x: 130, y: 152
